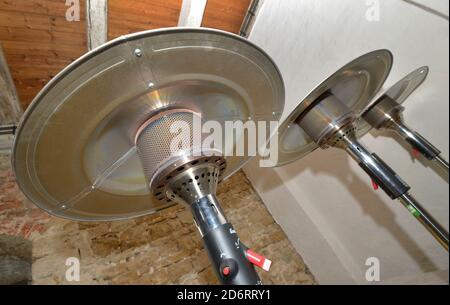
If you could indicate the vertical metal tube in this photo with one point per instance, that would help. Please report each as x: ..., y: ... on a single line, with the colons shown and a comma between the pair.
x: 379, y: 171
x: 418, y: 142
x: 442, y: 163
x: 438, y: 232
x: 394, y: 186
x: 226, y: 252
x: 207, y: 214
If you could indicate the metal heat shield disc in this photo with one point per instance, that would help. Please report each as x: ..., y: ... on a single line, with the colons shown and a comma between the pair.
x: 399, y: 92
x: 355, y: 84
x: 74, y: 153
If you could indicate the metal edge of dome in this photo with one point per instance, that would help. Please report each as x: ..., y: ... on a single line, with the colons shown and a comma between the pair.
x: 295, y: 113
x: 102, y: 48
x: 365, y: 127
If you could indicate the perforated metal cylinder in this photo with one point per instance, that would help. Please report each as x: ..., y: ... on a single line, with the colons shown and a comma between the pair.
x: 165, y: 138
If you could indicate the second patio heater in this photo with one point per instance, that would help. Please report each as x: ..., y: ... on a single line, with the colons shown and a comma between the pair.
x: 386, y: 113
x: 330, y: 116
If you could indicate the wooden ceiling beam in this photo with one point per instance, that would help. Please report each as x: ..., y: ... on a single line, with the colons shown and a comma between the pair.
x: 191, y: 14
x: 96, y: 23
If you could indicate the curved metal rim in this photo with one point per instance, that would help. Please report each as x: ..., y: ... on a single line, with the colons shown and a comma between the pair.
x: 87, y: 56
x: 112, y: 43
x: 302, y: 107
x: 419, y: 74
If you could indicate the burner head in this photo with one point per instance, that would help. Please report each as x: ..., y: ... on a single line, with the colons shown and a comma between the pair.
x: 176, y: 166
x: 166, y: 138
x: 189, y: 180
x: 333, y: 105
x: 325, y: 118
x: 382, y: 112
x: 389, y: 105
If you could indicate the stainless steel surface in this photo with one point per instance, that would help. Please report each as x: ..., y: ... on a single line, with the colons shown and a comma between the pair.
x: 155, y: 138
x: 415, y: 139
x: 183, y: 172
x: 386, y: 113
x: 191, y: 180
x: 348, y: 141
x: 398, y: 93
x: 75, y: 155
x: 176, y: 173
x: 376, y: 169
x: 328, y: 121
x: 438, y: 231
x: 402, y: 129
x: 208, y: 214
x: 8, y: 129
x: 354, y: 84
x: 360, y: 154
x: 442, y: 163
x: 325, y: 119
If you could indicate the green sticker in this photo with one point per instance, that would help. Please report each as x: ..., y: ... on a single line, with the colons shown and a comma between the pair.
x: 413, y: 211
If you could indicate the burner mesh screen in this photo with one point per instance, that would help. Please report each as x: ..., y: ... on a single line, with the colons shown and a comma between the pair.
x: 165, y: 139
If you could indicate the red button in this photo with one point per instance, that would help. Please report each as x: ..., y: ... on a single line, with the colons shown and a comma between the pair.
x: 226, y: 271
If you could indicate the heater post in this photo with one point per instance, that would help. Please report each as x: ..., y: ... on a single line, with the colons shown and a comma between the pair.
x: 418, y: 142
x: 441, y: 162
x: 386, y: 113
x: 331, y: 123
x: 425, y: 219
x: 380, y: 172
x: 227, y: 254
x: 395, y: 188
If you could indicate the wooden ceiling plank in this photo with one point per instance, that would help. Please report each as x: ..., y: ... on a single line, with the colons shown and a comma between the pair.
x: 39, y: 22
x: 145, y: 5
x: 41, y: 48
x: 41, y: 7
x: 32, y: 35
x: 225, y: 15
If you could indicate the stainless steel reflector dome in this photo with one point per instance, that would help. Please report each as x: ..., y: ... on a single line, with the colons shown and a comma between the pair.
x: 355, y: 85
x: 74, y: 153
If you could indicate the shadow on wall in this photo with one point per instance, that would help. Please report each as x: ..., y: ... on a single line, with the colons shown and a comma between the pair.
x: 15, y: 260
x: 370, y: 203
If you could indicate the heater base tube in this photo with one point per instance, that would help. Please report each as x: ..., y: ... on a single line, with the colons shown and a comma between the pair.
x: 418, y: 142
x: 442, y: 163
x: 379, y: 171
x: 439, y: 233
x: 227, y: 254
x: 228, y: 257
x: 394, y: 186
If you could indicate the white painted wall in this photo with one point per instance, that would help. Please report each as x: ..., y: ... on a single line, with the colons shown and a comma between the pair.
x: 325, y: 202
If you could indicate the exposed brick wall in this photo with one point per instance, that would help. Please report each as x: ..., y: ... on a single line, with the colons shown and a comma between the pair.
x: 164, y: 248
